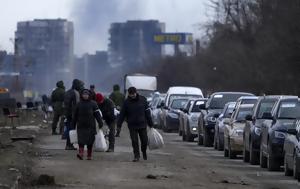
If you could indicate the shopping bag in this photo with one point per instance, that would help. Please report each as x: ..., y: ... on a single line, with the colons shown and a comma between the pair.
x: 155, y: 140
x: 100, y: 142
x: 73, y: 136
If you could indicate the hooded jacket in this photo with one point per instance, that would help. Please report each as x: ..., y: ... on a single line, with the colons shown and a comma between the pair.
x: 136, y: 112
x: 72, y: 98
x: 107, y: 108
x: 57, y: 97
x: 85, y: 113
x: 117, y: 97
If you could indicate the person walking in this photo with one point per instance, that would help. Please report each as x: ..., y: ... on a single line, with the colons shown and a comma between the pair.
x: 93, y: 92
x: 72, y: 98
x: 57, y: 99
x: 137, y: 113
x: 107, y: 108
x: 85, y: 114
x: 117, y: 97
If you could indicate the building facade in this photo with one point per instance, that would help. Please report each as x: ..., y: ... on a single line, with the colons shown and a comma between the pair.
x: 45, y: 48
x: 132, y: 43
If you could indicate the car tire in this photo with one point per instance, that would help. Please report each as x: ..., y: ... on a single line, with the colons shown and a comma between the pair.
x: 253, y: 156
x: 183, y: 136
x: 262, y: 159
x: 219, y: 146
x: 206, y: 140
x: 273, y: 164
x: 189, y: 136
x: 245, y: 153
x: 226, y: 153
x: 287, y: 171
x: 231, y: 154
x: 215, y: 142
x: 295, y: 170
x: 200, y: 138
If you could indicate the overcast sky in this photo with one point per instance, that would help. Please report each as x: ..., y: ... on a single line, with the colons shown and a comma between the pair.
x: 92, y: 17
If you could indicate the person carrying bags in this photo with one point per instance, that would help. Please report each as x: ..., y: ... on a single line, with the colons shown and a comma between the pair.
x: 85, y: 114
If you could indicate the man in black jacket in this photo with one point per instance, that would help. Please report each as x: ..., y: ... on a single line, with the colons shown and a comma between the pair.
x: 107, y: 108
x: 137, y: 113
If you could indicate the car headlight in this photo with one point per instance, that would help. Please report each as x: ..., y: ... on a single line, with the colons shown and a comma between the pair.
x: 257, y: 131
x: 211, y: 119
x: 172, y: 115
x: 194, y: 129
x: 279, y: 134
x: 237, y: 132
x: 194, y: 118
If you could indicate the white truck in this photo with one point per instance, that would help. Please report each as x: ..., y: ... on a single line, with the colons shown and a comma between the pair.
x: 145, y: 84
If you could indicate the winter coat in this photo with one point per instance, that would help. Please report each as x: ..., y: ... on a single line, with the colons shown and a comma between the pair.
x: 85, y: 113
x: 93, y: 95
x: 57, y: 98
x: 118, y: 98
x: 72, y: 98
x: 136, y: 112
x: 107, y: 108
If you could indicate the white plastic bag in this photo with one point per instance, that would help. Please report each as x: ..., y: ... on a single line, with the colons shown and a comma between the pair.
x: 73, y: 136
x: 116, y: 112
x: 100, y: 142
x: 155, y: 140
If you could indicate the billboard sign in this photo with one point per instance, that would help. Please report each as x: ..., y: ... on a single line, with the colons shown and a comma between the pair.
x: 173, y: 38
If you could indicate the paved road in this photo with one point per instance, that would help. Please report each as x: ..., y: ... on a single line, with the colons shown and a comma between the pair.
x: 178, y: 165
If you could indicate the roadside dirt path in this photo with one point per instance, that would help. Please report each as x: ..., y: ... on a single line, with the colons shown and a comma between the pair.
x: 178, y: 165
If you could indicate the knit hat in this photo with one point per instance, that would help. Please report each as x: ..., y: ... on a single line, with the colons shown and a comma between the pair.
x: 99, y: 98
x: 85, y: 91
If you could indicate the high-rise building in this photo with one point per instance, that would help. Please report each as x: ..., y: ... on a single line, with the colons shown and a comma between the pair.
x: 46, y: 47
x: 132, y: 43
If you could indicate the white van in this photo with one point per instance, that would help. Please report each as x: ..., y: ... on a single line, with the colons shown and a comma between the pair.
x: 179, y: 92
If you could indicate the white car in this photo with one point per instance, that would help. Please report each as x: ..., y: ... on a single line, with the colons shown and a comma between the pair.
x: 156, y: 109
x: 190, y: 120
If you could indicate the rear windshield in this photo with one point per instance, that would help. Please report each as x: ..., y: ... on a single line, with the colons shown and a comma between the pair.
x: 218, y: 101
x: 178, y: 103
x: 196, y: 106
x: 243, y: 112
x: 175, y: 96
x: 249, y: 101
x: 289, y: 110
x: 265, y: 107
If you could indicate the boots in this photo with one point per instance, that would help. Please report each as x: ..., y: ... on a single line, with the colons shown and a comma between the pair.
x: 89, y: 154
x: 80, y: 153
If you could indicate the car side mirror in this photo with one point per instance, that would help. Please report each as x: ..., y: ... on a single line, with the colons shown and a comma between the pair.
x: 267, y: 115
x: 292, y: 131
x: 249, y: 118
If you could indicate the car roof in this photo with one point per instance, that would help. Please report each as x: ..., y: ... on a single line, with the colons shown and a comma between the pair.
x: 242, y: 93
x: 185, y: 90
x: 230, y: 103
x: 248, y: 98
x: 202, y: 99
x: 246, y: 106
x: 285, y: 97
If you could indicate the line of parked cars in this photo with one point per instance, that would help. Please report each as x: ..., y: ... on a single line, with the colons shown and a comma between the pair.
x: 265, y: 130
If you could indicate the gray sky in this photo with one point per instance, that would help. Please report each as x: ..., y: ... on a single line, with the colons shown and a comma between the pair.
x: 92, y: 17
